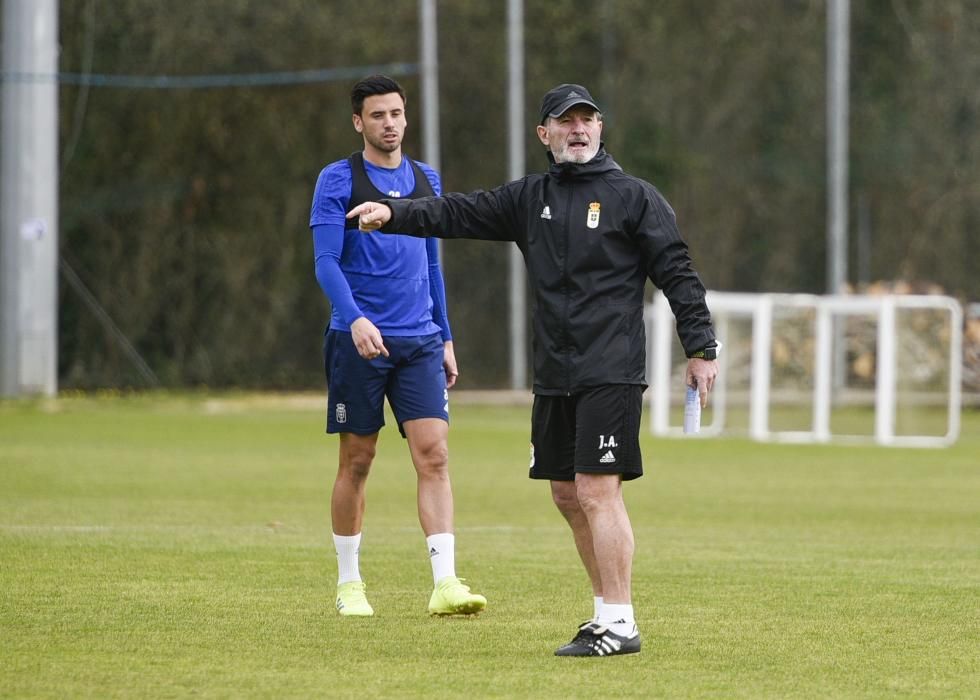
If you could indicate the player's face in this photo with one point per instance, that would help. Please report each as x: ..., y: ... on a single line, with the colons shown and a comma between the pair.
x: 574, y: 136
x: 382, y: 122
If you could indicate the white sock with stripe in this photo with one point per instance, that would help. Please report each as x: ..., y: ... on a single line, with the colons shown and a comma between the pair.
x: 618, y: 618
x: 348, y: 548
x: 442, y: 555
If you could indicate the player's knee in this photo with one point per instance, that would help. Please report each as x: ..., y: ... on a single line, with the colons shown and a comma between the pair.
x: 355, y: 471
x: 356, y: 463
x: 432, y: 460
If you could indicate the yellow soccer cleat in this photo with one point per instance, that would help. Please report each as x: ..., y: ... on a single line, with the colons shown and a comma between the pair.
x: 351, y: 601
x: 451, y: 597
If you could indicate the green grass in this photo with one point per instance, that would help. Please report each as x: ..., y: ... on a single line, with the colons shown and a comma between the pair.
x: 176, y: 546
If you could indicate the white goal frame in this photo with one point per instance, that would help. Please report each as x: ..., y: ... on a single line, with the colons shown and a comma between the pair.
x: 759, y: 307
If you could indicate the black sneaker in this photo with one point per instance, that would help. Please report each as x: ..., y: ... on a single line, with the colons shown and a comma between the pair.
x: 594, y: 639
x: 584, y: 633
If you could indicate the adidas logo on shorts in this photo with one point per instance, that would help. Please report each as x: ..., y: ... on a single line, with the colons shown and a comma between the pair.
x: 607, y: 458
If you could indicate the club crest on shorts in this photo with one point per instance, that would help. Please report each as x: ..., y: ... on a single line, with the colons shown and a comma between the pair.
x: 592, y: 221
x: 341, y: 413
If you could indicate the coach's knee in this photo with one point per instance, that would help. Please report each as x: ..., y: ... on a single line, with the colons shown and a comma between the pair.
x: 565, y: 497
x: 595, y: 492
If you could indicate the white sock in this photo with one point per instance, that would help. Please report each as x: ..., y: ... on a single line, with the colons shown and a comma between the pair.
x: 442, y: 555
x: 596, y: 607
x: 348, y: 547
x: 618, y: 618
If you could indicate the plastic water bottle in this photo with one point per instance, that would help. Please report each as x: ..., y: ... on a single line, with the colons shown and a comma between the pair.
x: 692, y: 411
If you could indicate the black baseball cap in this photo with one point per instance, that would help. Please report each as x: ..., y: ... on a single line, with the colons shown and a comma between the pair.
x: 560, y: 99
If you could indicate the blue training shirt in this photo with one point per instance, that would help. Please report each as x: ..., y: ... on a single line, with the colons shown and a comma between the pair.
x: 394, y: 281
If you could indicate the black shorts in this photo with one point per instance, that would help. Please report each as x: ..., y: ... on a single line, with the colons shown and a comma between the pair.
x: 594, y: 432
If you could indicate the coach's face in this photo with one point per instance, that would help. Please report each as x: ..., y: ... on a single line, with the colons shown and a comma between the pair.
x: 574, y: 136
x: 382, y: 122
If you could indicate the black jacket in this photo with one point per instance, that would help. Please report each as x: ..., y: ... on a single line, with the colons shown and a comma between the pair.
x: 590, y: 235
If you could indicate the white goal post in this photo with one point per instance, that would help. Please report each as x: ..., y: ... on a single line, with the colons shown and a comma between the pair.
x: 826, y: 311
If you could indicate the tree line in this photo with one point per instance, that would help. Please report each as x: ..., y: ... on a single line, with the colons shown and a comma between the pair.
x: 185, y: 211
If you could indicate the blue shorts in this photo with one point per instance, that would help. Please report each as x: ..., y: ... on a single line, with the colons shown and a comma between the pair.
x: 412, y: 377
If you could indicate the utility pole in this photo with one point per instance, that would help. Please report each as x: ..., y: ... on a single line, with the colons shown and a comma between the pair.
x: 429, y: 60
x: 429, y: 65
x: 515, y: 119
x: 838, y: 49
x: 29, y: 199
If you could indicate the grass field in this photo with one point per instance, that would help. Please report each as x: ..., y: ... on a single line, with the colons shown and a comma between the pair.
x: 180, y: 546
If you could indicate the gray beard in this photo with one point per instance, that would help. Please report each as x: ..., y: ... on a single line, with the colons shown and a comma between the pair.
x: 562, y: 156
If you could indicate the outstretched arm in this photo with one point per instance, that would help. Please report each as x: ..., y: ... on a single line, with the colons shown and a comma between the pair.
x: 480, y: 215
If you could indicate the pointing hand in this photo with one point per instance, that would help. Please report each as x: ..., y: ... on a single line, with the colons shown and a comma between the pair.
x: 370, y: 215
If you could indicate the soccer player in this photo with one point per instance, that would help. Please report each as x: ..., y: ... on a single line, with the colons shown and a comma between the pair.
x: 388, y: 336
x: 591, y: 235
